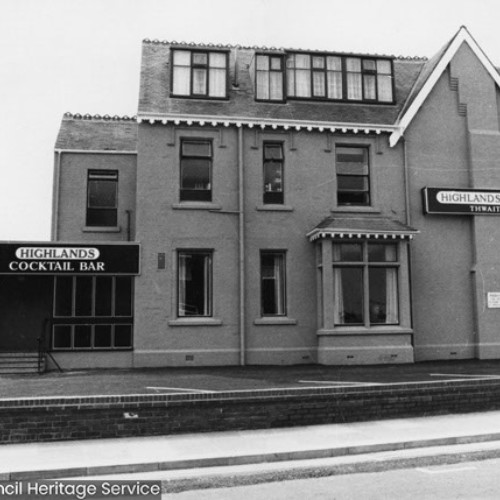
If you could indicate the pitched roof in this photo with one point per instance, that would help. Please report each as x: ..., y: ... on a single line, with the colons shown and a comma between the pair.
x: 97, y: 133
x: 356, y: 226
x: 155, y: 97
x: 431, y: 73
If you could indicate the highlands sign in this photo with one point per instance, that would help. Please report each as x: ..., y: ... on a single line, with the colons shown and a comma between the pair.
x: 54, y: 258
x: 447, y: 201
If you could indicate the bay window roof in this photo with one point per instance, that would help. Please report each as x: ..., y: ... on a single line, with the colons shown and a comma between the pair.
x: 361, y: 227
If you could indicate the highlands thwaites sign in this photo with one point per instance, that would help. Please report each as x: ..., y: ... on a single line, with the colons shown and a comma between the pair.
x: 461, y: 201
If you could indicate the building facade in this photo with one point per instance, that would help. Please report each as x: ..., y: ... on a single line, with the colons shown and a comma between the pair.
x: 290, y: 207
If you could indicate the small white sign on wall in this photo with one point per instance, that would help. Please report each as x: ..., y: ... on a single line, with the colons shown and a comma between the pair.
x: 493, y: 300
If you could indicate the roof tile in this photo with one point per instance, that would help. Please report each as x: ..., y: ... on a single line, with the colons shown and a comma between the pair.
x: 97, y: 132
x: 155, y: 94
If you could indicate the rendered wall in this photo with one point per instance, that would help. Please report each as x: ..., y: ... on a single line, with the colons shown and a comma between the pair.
x: 165, y: 225
x: 72, y: 197
x: 454, y: 259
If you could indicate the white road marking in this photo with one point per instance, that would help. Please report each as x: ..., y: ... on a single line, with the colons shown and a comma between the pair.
x: 446, y: 471
x: 179, y: 389
x: 462, y: 375
x: 336, y: 383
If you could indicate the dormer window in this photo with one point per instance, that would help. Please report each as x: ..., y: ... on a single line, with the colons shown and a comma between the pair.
x: 199, y: 74
x: 269, y: 77
x: 334, y: 77
x: 368, y: 79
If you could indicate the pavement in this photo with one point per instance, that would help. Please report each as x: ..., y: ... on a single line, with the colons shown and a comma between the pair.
x: 193, y: 458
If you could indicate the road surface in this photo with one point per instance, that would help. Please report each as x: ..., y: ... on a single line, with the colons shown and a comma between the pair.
x: 468, y: 480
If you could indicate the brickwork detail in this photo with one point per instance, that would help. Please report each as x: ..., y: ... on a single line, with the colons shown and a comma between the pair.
x: 127, y: 416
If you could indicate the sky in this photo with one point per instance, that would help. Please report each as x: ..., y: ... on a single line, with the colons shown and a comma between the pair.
x: 83, y: 56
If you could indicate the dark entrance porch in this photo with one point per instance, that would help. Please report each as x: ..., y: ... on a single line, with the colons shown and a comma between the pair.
x: 25, y: 305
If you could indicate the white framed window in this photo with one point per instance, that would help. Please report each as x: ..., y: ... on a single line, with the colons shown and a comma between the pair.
x: 352, y: 164
x: 365, y: 281
x: 269, y: 77
x: 194, y: 283
x: 196, y: 170
x: 274, y: 163
x: 102, y: 198
x: 199, y: 73
x: 336, y: 77
x: 273, y: 283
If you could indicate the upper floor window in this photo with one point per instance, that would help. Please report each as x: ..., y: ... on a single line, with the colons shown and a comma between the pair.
x: 199, y: 73
x: 269, y: 77
x: 314, y: 76
x: 353, y: 175
x: 102, y: 198
x: 368, y: 79
x: 338, y: 77
x: 273, y: 173
x: 196, y: 170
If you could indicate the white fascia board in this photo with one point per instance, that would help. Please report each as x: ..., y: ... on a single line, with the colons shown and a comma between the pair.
x: 462, y: 36
x: 263, y: 122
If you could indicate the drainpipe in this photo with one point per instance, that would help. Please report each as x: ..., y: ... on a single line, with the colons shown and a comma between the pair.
x: 129, y: 224
x: 241, y: 244
x: 407, y: 182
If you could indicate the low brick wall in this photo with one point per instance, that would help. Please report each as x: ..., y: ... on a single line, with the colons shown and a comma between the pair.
x: 51, y: 419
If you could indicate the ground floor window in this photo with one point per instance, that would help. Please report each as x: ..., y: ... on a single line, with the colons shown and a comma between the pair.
x: 365, y: 280
x: 92, y: 336
x: 272, y: 272
x: 92, y: 312
x: 194, y: 283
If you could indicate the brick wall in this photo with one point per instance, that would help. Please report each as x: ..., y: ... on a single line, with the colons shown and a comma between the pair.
x: 125, y: 416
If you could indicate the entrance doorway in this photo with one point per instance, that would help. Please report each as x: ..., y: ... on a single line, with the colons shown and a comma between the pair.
x: 25, y: 306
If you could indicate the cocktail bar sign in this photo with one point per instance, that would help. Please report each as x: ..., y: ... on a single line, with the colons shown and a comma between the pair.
x: 461, y: 201
x: 27, y: 258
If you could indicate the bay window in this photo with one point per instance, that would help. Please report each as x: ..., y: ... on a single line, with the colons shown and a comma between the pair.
x: 365, y: 280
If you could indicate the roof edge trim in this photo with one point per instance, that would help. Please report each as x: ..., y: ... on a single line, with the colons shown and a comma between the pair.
x: 462, y: 36
x: 96, y: 151
x: 317, y: 233
x: 108, y: 118
x: 266, y: 122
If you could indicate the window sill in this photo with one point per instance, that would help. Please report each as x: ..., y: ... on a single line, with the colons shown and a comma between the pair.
x: 355, y: 209
x: 196, y: 205
x: 274, y: 208
x: 362, y: 330
x: 278, y: 320
x: 195, y: 322
x: 102, y: 229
